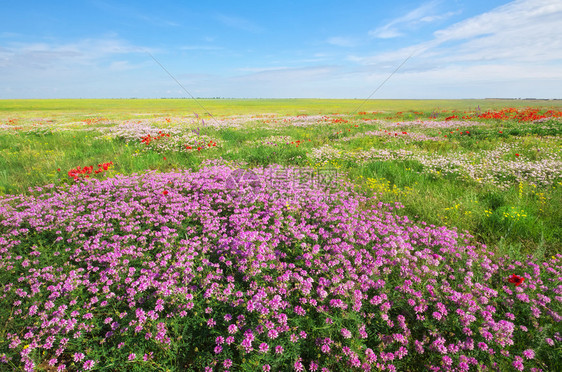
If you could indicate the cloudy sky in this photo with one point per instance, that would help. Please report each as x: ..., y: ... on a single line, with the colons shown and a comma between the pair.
x: 279, y: 49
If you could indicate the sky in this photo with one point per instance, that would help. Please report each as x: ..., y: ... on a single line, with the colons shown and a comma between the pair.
x: 281, y: 49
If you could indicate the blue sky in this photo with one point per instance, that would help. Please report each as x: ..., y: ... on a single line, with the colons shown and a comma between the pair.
x: 281, y: 49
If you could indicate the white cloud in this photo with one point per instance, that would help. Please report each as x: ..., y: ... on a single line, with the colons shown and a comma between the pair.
x: 522, y: 14
x: 521, y: 36
x: 514, y: 50
x: 438, y: 17
x: 425, y: 13
x: 45, y: 55
x: 85, y: 68
x: 521, y: 31
x: 285, y: 74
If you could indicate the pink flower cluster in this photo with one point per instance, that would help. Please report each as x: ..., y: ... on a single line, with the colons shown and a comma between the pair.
x: 296, y: 277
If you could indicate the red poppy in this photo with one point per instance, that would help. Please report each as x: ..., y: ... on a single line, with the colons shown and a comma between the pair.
x: 58, y: 169
x: 165, y: 192
x: 516, y: 279
x: 516, y: 154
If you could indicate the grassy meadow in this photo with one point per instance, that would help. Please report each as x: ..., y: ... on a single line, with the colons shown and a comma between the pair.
x: 440, y: 184
x: 49, y: 135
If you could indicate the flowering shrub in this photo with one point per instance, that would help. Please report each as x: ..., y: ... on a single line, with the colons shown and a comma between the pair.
x: 171, y: 139
x: 167, y: 271
x: 488, y: 167
x: 521, y: 115
x: 131, y: 131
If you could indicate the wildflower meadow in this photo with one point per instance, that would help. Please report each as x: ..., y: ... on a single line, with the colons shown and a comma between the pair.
x: 280, y: 235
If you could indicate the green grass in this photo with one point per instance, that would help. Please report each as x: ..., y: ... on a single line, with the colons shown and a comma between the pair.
x: 162, y: 107
x: 32, y: 150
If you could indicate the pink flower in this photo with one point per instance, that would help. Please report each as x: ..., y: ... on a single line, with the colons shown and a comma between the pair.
x: 264, y: 347
x: 518, y: 363
x: 272, y: 333
x: 298, y: 366
x: 313, y: 366
x: 345, y: 333
x: 89, y: 364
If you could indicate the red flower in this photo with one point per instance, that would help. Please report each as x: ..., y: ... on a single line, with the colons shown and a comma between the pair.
x: 164, y: 158
x: 165, y: 192
x: 58, y: 169
x: 516, y: 154
x: 516, y: 279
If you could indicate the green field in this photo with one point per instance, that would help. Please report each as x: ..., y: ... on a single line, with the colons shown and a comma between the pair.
x: 124, y: 108
x: 113, y: 211
x: 64, y: 134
